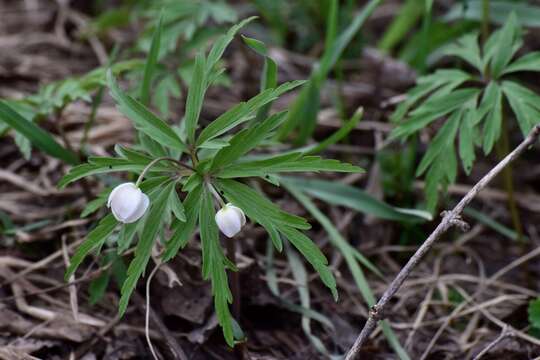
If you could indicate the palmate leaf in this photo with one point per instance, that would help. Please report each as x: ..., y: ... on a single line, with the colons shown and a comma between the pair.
x: 143, y: 251
x: 504, y: 47
x: 467, y: 49
x: 202, y: 78
x: 215, y: 265
x: 143, y: 119
x: 433, y: 109
x: 244, y: 141
x: 240, y: 112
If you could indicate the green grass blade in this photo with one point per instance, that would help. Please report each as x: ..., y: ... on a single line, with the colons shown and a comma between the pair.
x: 354, y: 268
x: 37, y: 136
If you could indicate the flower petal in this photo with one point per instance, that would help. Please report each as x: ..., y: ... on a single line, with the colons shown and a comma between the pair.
x: 228, y: 221
x: 141, y: 209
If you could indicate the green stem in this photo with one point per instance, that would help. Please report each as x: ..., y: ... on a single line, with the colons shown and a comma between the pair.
x: 216, y: 195
x: 503, y: 148
x: 154, y: 162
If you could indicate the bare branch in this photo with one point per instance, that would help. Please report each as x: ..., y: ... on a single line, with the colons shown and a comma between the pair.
x: 450, y: 219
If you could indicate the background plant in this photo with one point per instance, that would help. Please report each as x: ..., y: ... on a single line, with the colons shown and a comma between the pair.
x: 472, y: 104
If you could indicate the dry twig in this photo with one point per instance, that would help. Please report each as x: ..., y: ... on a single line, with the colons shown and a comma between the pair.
x: 450, y: 219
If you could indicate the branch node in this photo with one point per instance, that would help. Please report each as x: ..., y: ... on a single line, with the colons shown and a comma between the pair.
x: 375, y: 313
x: 456, y: 220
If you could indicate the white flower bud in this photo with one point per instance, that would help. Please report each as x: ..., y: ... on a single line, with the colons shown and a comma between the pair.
x: 128, y: 203
x: 230, y: 220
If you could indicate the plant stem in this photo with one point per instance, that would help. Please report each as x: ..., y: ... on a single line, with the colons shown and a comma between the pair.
x: 155, y: 161
x: 216, y: 195
x: 503, y: 148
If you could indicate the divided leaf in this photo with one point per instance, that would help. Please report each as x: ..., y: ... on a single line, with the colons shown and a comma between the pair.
x: 143, y: 119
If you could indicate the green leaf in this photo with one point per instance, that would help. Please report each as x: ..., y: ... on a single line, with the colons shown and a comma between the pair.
x: 432, y: 110
x: 240, y: 112
x: 313, y: 255
x: 151, y: 61
x: 152, y: 225
x: 504, y: 48
x: 184, y: 230
x: 296, y: 189
x: 527, y: 13
x: 127, y: 235
x: 107, y: 165
x: 94, y: 240
x: 351, y: 256
x: 339, y: 194
x: 195, y: 97
x: 143, y: 119
x: 467, y: 49
x: 524, y: 104
x: 256, y: 45
x: 95, y: 204
x: 493, y: 122
x: 492, y: 223
x: 466, y: 140
x: 24, y: 145
x: 290, y: 162
x: 338, y: 135
x: 269, y: 74
x: 37, y: 136
x: 406, y: 18
x: 441, y: 142
x: 306, y: 106
x: 97, y: 287
x: 214, y: 265
x: 257, y: 207
x: 245, y: 140
x: 534, y: 313
x: 449, y: 79
x: 176, y: 206
x: 529, y: 62
x: 221, y: 44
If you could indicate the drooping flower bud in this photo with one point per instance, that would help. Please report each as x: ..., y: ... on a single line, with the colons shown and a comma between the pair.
x: 128, y: 203
x: 230, y: 220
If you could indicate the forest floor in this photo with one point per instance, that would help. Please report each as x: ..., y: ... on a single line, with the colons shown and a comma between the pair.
x: 455, y: 303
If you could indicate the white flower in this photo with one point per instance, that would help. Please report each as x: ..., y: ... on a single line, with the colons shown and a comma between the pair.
x: 230, y: 220
x: 128, y: 203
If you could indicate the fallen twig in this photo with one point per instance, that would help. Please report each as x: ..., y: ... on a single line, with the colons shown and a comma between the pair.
x: 450, y: 219
x: 506, y: 332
